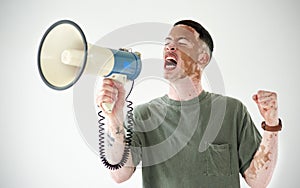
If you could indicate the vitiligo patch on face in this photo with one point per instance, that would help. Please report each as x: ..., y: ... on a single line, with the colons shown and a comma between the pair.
x: 190, y: 29
x: 189, y: 65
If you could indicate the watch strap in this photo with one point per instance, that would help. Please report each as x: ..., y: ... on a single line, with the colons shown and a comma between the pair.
x: 272, y: 128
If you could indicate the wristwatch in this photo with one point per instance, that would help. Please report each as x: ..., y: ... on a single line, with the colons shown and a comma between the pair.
x: 271, y: 128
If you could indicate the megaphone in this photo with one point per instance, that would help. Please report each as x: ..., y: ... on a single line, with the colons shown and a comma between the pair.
x: 64, y: 55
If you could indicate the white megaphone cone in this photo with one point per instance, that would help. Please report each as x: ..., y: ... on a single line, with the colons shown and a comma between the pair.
x: 64, y: 55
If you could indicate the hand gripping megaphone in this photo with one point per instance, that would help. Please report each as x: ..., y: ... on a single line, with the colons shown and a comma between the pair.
x: 64, y: 55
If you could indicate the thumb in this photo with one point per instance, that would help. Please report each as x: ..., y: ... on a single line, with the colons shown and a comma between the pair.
x: 255, y: 98
x: 260, y: 107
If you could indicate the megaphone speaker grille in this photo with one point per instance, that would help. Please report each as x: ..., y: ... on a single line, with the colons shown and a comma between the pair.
x: 62, y: 37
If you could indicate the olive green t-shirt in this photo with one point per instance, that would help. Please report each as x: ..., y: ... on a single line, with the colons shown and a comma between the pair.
x: 201, y: 143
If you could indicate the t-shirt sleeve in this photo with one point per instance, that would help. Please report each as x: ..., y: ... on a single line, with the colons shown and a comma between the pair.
x: 249, y: 140
x: 136, y: 151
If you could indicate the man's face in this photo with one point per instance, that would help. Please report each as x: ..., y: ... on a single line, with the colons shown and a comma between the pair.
x: 181, y: 53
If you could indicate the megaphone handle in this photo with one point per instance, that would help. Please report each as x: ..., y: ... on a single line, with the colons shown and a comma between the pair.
x: 108, y: 107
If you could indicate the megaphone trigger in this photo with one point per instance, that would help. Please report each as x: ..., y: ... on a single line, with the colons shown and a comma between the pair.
x: 119, y: 78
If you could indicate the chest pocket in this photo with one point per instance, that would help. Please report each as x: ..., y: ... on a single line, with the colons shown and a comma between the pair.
x: 218, y: 160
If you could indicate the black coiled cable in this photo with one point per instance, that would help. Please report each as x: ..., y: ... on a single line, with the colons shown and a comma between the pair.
x: 127, y: 140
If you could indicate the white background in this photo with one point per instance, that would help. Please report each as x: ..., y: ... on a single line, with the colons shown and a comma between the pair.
x: 256, y: 47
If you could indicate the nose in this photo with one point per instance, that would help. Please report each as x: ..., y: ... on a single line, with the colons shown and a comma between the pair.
x: 171, y: 47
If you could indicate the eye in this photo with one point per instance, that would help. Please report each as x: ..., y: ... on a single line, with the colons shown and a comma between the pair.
x: 168, y: 41
x: 183, y: 42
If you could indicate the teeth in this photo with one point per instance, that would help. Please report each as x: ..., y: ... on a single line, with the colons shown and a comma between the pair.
x: 170, y: 63
x: 170, y: 66
x: 171, y: 58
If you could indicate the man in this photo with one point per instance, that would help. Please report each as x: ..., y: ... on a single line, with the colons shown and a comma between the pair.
x: 190, y: 137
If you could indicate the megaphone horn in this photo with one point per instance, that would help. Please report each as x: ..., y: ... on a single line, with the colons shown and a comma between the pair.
x: 64, y: 55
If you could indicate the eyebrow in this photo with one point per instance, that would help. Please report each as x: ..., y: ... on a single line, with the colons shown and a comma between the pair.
x: 168, y: 38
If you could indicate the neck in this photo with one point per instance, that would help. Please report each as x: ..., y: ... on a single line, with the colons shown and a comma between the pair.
x: 184, y: 89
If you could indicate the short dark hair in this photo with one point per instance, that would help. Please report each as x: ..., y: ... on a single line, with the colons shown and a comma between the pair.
x: 203, y: 33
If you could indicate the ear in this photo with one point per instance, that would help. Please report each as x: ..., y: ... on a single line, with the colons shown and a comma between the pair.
x: 203, y: 59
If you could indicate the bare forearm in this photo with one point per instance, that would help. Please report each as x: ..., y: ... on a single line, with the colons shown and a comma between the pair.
x: 260, y: 171
x: 115, y: 150
x: 113, y: 92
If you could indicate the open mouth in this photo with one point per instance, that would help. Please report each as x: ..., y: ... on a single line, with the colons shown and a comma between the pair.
x: 170, y: 63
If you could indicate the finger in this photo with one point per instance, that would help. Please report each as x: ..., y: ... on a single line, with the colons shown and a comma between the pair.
x: 262, y: 93
x: 108, y: 88
x: 108, y: 81
x: 255, y: 97
x: 106, y: 93
x: 112, y: 82
x: 121, y: 90
x: 266, y: 99
x: 106, y: 96
x: 119, y: 86
x: 104, y: 99
x: 268, y: 105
